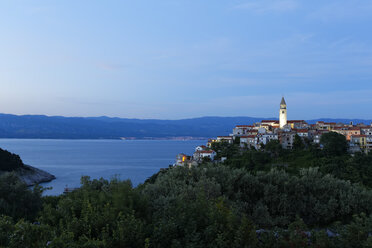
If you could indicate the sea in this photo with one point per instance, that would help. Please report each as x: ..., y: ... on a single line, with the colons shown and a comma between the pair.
x: 69, y: 160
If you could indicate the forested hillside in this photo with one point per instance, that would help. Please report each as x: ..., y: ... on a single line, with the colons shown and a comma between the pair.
x: 9, y: 161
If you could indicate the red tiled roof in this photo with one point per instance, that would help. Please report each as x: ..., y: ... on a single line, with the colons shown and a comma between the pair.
x: 244, y: 126
x: 322, y: 131
x: 268, y: 121
x: 341, y: 128
x: 249, y: 136
x: 207, y: 152
x: 354, y: 128
x: 301, y: 130
x: 294, y: 121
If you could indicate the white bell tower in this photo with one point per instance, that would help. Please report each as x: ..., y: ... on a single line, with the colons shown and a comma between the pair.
x: 283, y: 113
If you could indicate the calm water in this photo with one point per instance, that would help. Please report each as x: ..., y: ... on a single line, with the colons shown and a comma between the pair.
x: 68, y: 160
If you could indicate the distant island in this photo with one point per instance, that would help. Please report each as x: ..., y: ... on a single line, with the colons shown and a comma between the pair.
x: 58, y: 127
x: 12, y: 163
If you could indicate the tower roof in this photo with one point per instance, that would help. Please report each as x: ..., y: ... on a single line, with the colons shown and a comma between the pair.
x: 283, y: 101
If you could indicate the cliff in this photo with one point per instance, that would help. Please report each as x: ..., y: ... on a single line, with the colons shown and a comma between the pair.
x: 31, y: 175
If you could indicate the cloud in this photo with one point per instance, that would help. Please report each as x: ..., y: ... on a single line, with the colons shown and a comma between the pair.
x: 268, y: 6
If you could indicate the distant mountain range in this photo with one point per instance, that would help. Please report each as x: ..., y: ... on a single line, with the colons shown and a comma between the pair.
x: 58, y: 127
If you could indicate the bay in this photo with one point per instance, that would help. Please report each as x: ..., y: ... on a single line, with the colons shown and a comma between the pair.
x: 68, y: 160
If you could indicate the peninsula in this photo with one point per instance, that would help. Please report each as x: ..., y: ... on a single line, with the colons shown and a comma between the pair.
x: 12, y: 163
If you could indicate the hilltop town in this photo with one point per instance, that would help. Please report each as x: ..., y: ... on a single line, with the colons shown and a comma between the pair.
x: 358, y: 136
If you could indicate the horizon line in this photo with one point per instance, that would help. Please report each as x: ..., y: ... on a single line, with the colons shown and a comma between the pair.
x: 187, y: 118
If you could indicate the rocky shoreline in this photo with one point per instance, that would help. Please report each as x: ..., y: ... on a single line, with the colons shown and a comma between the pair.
x: 31, y: 175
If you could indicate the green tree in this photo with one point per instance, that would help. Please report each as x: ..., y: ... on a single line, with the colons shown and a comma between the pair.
x: 6, y: 230
x: 16, y: 199
x: 334, y: 144
x: 274, y: 147
x: 237, y: 140
x: 298, y: 143
x: 9, y: 161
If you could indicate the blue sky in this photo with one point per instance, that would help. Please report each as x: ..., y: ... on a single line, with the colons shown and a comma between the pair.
x: 176, y: 59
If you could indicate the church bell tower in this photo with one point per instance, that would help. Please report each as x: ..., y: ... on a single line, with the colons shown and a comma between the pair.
x: 283, y: 113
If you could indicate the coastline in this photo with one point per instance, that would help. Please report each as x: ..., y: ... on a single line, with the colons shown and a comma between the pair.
x: 32, y: 176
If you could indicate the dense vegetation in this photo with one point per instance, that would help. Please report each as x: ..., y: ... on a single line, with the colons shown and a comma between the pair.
x: 268, y: 198
x: 332, y: 159
x: 9, y: 161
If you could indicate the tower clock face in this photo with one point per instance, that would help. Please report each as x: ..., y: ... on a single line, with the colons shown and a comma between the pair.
x: 282, y: 112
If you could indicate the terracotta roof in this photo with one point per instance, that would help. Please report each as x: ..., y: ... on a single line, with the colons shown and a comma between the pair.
x: 268, y: 121
x: 294, y: 121
x: 323, y: 131
x: 301, y: 130
x: 207, y: 152
x: 341, y: 128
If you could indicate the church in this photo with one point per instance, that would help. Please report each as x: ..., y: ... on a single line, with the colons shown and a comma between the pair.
x: 292, y: 124
x: 283, y: 113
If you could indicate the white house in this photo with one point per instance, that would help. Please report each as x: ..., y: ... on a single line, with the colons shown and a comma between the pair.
x: 240, y: 130
x: 369, y: 142
x: 317, y: 135
x: 303, y: 133
x: 199, y: 155
x: 181, y: 159
x: 366, y: 130
x: 266, y: 138
x: 200, y: 148
x: 286, y: 139
x: 248, y: 141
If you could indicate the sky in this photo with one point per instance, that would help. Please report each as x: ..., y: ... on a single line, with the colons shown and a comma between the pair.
x: 174, y: 59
